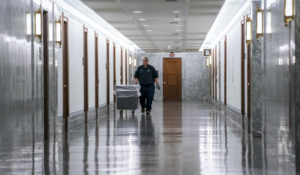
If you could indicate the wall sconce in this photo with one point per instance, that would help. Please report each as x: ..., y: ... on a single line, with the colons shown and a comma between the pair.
x: 289, y: 11
x: 134, y: 63
x: 210, y: 60
x: 248, y: 31
x: 259, y: 23
x: 130, y: 60
x: 207, y: 61
x: 28, y: 24
x: 38, y: 23
x: 58, y: 32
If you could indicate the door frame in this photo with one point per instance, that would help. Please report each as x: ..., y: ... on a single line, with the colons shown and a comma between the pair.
x: 180, y: 80
x: 121, y: 72
x: 46, y: 74
x: 107, y: 74
x: 225, y: 70
x: 216, y: 75
x: 114, y: 70
x: 96, y: 72
x: 126, y: 67
x: 85, y: 69
x: 249, y: 80
x: 66, y: 102
x: 243, y: 66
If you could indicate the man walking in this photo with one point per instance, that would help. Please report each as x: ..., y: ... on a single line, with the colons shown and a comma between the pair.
x: 146, y: 75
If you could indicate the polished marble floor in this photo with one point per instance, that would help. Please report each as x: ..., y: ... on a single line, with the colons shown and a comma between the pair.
x: 177, y: 138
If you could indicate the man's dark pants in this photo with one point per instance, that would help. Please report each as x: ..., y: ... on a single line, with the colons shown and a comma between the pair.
x: 147, y: 93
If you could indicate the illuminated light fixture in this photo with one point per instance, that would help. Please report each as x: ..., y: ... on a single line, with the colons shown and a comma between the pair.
x: 178, y: 30
x: 149, y: 30
x: 58, y: 31
x: 207, y: 61
x: 137, y: 11
x: 28, y: 24
x: 248, y: 31
x: 130, y: 60
x: 146, y: 25
x: 259, y: 23
x: 210, y: 61
x: 176, y: 11
x: 177, y: 19
x: 142, y: 19
x: 134, y: 62
x: 289, y: 11
x: 38, y: 23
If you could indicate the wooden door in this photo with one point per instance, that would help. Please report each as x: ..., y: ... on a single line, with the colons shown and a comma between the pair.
x: 216, y: 75
x: 107, y: 74
x: 172, y: 79
x: 114, y: 70
x: 243, y: 68
x: 121, y: 73
x: 96, y: 72
x: 85, y: 69
x: 126, y: 71
x: 46, y: 75
x: 249, y: 80
x: 225, y: 71
x: 65, y: 67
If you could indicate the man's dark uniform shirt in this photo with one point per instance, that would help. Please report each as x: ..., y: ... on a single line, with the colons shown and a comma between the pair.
x: 146, y: 75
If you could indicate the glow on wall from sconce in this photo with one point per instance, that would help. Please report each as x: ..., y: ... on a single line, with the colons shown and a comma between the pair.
x: 134, y: 63
x: 28, y: 23
x: 38, y: 23
x: 269, y: 23
x: 130, y: 60
x: 226, y: 18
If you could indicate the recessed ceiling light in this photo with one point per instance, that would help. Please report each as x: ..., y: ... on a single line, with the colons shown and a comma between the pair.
x: 149, y: 30
x: 177, y: 19
x: 146, y: 25
x: 176, y: 11
x: 142, y: 19
x: 137, y: 11
x: 178, y: 30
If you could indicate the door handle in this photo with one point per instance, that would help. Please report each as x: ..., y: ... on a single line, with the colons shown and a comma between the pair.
x: 65, y: 85
x: 165, y: 82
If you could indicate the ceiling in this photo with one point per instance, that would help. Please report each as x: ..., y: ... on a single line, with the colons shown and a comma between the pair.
x: 160, y: 25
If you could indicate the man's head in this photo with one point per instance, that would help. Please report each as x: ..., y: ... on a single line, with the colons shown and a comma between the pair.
x: 145, y: 61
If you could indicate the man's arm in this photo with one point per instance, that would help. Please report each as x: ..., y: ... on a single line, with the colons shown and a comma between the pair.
x: 136, y: 77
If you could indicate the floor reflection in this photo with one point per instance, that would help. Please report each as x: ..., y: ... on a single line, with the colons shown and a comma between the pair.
x: 177, y: 138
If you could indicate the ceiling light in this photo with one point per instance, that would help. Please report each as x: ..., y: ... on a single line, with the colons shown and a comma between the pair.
x: 177, y: 19
x: 176, y: 11
x: 149, y: 30
x: 178, y: 30
x: 137, y: 11
x: 146, y: 25
x: 142, y: 19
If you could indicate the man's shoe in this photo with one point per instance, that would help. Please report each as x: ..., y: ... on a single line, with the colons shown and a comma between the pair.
x: 143, y: 110
x: 148, y: 112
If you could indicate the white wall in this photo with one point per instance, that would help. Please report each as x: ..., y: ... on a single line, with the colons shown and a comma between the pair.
x: 91, y: 67
x: 118, y: 64
x: 75, y: 65
x: 102, y: 69
x: 111, y: 57
x: 234, y: 66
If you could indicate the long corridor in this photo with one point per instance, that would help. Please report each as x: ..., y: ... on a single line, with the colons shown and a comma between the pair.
x: 177, y: 138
